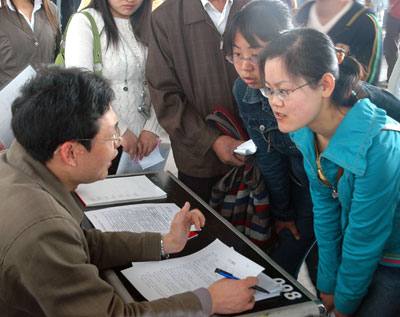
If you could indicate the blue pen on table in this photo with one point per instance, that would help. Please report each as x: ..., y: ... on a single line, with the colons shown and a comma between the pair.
x: 230, y: 276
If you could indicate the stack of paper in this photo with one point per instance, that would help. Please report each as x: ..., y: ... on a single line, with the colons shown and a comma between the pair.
x: 134, y: 218
x: 119, y: 189
x: 268, y: 284
x: 160, y: 279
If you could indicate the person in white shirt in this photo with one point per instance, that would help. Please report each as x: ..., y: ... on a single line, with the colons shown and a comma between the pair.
x: 123, y: 29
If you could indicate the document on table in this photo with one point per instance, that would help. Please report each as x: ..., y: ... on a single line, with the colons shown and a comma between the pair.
x: 119, y: 189
x: 134, y: 218
x: 7, y: 97
x: 158, y: 279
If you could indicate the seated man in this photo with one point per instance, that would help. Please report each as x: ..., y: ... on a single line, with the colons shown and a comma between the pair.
x: 67, y: 134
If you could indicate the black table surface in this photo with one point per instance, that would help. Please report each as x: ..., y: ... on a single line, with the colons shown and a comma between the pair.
x: 216, y: 227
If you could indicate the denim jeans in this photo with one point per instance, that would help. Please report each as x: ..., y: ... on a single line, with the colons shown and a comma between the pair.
x: 281, y: 164
x: 383, y: 297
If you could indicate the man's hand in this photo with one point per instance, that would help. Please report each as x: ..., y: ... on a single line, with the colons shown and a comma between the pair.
x: 175, y: 239
x: 328, y: 300
x: 129, y: 143
x: 232, y: 296
x: 146, y: 144
x: 280, y: 225
x: 2, y: 146
x: 224, y: 146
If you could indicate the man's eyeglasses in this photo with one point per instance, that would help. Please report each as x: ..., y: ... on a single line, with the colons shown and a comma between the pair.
x: 282, y: 94
x: 236, y: 58
x: 116, y: 138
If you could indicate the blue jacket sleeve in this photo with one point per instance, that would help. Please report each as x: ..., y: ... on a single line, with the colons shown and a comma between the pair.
x: 374, y: 199
x: 327, y: 228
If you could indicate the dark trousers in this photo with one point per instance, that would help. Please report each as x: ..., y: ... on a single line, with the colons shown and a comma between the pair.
x: 290, y: 253
x: 201, y: 186
x: 391, y: 42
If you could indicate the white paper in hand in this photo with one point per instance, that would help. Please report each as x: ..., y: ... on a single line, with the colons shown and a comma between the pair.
x: 246, y: 148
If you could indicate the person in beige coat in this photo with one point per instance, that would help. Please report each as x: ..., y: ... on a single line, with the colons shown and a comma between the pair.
x: 29, y: 35
x: 67, y: 134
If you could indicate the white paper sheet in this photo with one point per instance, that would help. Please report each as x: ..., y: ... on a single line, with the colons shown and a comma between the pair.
x: 268, y: 284
x: 158, y: 279
x: 153, y: 159
x: 246, y: 148
x: 7, y: 97
x: 126, y: 165
x: 119, y: 189
x: 134, y: 218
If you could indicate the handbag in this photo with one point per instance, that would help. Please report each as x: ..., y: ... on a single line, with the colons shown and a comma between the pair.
x: 241, y: 196
x: 97, y: 56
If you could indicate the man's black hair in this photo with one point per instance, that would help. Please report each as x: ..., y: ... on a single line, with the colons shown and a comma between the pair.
x: 59, y: 105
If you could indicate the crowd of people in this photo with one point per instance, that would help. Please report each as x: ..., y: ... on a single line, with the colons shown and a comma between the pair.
x: 301, y: 80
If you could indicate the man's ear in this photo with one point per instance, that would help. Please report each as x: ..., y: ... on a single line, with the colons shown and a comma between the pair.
x: 328, y: 84
x: 69, y: 152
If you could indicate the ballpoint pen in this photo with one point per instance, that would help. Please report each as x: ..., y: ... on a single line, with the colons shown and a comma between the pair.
x: 230, y: 276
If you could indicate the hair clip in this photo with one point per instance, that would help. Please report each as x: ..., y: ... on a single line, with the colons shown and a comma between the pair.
x: 340, y: 54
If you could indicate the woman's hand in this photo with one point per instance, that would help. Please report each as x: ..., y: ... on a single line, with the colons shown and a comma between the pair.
x: 146, y: 144
x: 129, y: 143
x: 280, y: 225
x: 328, y: 300
x: 339, y: 314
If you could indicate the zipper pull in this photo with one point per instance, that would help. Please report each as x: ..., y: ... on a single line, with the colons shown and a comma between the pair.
x: 334, y: 193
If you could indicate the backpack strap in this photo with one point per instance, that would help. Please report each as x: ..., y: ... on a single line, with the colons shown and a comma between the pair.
x: 227, y: 123
x: 356, y: 15
x: 97, y: 56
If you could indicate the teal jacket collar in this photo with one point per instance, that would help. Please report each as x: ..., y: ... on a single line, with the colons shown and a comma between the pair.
x: 351, y: 141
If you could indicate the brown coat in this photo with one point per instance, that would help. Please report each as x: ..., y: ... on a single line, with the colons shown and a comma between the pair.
x: 49, y: 265
x: 20, y: 46
x: 188, y: 77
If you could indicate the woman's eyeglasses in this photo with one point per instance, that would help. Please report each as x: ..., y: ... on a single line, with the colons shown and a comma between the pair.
x: 282, y: 94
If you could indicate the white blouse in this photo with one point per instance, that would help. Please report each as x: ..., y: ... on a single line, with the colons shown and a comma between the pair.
x: 126, y: 62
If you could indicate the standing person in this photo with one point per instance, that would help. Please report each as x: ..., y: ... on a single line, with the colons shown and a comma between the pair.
x: 391, y: 41
x: 351, y: 26
x: 188, y: 77
x: 124, y: 29
x: 313, y: 92
x: 49, y: 264
x: 29, y: 34
x: 280, y: 162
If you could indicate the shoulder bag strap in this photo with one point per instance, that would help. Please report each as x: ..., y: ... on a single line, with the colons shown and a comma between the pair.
x: 97, y: 57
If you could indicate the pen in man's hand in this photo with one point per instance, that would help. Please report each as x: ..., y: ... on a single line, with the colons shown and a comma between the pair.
x: 230, y: 276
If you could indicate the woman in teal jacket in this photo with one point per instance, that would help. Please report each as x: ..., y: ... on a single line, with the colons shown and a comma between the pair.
x: 352, y: 159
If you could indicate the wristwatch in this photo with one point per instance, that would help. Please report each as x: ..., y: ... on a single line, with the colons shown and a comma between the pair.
x: 163, y: 254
